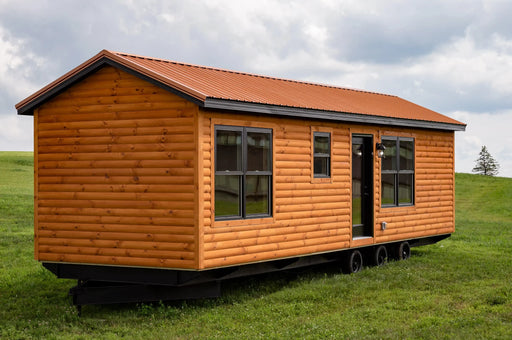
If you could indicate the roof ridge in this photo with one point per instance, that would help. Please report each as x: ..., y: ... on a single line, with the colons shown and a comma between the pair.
x: 202, y: 84
x: 123, y: 54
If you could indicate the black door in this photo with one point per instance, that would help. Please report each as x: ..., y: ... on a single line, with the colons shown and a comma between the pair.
x: 362, y: 186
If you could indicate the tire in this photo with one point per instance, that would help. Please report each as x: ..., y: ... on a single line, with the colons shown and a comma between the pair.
x: 403, y: 251
x: 353, y: 262
x: 380, y: 256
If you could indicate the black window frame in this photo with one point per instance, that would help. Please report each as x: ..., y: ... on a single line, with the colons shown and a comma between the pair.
x: 322, y: 155
x: 244, y: 172
x: 397, y: 172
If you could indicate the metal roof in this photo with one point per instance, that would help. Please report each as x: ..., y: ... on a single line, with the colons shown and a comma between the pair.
x: 229, y: 90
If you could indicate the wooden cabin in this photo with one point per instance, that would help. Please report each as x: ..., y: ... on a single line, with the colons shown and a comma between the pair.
x: 147, y: 169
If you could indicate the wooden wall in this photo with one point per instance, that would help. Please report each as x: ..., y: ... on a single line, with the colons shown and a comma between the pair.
x: 434, y: 209
x: 313, y: 215
x: 115, y: 166
x: 310, y: 216
x: 124, y: 176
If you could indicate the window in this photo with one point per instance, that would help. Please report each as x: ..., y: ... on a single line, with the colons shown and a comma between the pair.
x: 322, y: 154
x: 397, y: 172
x: 243, y: 172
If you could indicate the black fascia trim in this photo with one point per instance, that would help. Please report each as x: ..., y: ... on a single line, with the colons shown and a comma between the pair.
x: 155, y: 82
x: 28, y: 109
x: 214, y: 103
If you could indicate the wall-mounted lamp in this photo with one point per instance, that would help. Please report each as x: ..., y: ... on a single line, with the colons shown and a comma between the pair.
x: 380, y: 150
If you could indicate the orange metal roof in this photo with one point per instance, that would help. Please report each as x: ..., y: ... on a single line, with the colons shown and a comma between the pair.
x: 207, y: 84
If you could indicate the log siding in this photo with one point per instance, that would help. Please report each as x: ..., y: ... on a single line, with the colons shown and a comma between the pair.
x: 434, y: 210
x: 115, y: 160
x: 124, y: 176
x: 313, y: 216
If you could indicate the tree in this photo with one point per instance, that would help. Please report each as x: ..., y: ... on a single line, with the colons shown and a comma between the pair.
x: 486, y: 164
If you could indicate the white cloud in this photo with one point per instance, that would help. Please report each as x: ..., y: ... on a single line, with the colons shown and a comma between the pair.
x: 489, y: 129
x: 464, y: 65
x: 16, y: 65
x: 16, y: 133
x: 451, y: 56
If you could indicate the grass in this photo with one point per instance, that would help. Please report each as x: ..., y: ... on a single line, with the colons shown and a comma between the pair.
x: 460, y: 288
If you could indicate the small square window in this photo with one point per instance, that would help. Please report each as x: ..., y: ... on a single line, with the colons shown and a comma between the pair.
x: 322, y: 154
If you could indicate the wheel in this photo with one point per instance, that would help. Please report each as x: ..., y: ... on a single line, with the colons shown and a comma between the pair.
x: 353, y: 262
x: 403, y: 251
x: 380, y: 257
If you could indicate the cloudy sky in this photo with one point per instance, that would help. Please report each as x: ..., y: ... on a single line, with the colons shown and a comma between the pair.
x: 454, y: 57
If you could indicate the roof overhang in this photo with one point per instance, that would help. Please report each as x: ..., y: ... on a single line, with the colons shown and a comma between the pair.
x: 341, y: 117
x: 107, y: 58
x: 104, y: 58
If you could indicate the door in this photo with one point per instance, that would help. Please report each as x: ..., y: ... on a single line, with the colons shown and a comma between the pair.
x: 362, y: 186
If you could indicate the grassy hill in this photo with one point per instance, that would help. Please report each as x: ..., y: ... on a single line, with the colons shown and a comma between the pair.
x: 458, y: 288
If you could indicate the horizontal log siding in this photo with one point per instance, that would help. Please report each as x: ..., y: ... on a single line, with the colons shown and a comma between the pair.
x: 207, y: 155
x: 433, y: 211
x: 308, y: 217
x: 313, y: 217
x: 115, y: 170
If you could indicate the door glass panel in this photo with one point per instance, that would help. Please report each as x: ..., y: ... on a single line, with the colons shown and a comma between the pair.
x: 357, y: 163
x: 257, y: 195
x: 227, y: 196
x: 229, y: 151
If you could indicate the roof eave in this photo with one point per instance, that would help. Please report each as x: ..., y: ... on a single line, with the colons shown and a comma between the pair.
x: 27, y: 106
x: 345, y: 117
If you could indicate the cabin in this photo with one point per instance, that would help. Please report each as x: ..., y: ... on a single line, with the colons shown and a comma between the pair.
x: 156, y: 179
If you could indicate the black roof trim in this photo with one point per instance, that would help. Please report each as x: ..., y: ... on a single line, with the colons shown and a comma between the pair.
x: 28, y: 110
x: 233, y: 105
x: 214, y: 103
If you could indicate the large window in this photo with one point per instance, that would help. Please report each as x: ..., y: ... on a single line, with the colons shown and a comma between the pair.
x: 243, y: 172
x: 397, y: 175
x: 322, y: 154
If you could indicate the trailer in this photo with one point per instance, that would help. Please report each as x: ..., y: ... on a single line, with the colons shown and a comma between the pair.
x: 157, y: 180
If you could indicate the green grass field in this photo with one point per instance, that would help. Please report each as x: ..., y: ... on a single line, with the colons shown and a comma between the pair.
x: 460, y: 288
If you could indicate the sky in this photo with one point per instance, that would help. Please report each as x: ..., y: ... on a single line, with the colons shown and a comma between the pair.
x: 454, y: 57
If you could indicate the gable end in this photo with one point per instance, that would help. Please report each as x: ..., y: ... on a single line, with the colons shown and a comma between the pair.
x: 27, y: 107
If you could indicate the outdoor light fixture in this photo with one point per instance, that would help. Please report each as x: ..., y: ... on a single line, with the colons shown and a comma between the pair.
x: 380, y: 150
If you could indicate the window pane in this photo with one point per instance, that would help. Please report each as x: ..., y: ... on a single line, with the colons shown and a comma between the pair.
x: 322, y: 144
x: 321, y: 166
x: 258, y: 151
x: 229, y: 150
x: 388, y: 189
x: 389, y: 159
x: 257, y: 195
x: 405, y: 192
x: 322, y: 154
x: 406, y: 155
x: 227, y: 196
